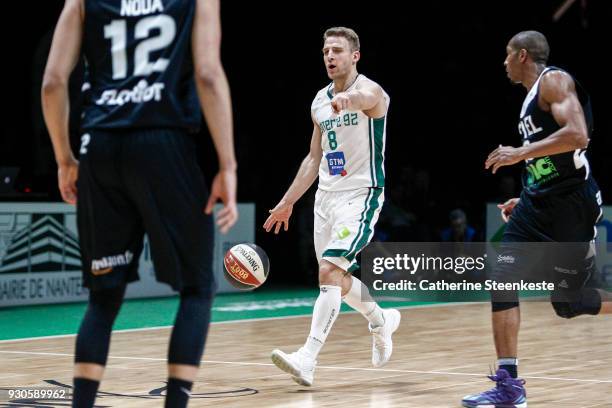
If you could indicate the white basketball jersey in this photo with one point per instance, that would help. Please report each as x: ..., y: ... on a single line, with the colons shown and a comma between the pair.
x: 353, y: 144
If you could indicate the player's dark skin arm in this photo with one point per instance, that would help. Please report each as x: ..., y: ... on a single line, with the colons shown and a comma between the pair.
x: 63, y: 57
x: 214, y: 94
x: 557, y: 96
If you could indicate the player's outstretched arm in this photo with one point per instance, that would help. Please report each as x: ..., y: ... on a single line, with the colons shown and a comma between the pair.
x: 214, y: 95
x: 63, y: 57
x: 368, y: 97
x: 306, y: 175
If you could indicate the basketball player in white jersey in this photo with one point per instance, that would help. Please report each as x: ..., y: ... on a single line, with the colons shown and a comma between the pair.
x: 346, y: 154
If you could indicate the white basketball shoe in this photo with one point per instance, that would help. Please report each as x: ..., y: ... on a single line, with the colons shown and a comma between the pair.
x: 300, y: 365
x: 382, y: 344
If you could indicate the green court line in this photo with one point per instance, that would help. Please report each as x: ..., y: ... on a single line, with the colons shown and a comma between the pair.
x: 62, y: 319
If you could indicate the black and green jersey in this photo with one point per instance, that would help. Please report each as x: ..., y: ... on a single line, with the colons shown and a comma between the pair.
x: 559, y: 172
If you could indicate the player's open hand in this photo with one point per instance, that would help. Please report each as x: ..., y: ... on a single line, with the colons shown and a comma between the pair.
x: 224, y: 189
x: 507, y: 207
x: 278, y: 217
x: 503, y: 156
x: 67, y: 175
x: 340, y: 102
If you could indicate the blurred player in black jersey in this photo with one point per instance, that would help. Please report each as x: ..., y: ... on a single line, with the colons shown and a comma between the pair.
x: 151, y: 66
x: 560, y: 202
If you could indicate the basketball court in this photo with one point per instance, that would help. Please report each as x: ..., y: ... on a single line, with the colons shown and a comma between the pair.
x: 441, y: 352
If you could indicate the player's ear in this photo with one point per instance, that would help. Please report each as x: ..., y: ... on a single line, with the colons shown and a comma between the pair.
x: 356, y: 56
x: 522, y: 55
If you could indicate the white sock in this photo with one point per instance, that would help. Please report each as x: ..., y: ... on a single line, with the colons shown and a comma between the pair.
x: 324, y: 315
x: 366, y: 305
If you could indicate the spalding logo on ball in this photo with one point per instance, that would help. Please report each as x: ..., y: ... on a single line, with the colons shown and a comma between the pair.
x: 246, y: 266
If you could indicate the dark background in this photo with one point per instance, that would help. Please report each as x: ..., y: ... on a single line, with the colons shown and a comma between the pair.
x: 440, y: 61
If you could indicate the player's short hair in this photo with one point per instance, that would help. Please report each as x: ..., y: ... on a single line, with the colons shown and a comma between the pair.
x: 534, y: 43
x: 350, y: 35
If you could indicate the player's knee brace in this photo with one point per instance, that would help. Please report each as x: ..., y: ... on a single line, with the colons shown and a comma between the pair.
x: 569, y: 304
x: 191, y: 327
x: 504, y: 300
x: 94, y: 334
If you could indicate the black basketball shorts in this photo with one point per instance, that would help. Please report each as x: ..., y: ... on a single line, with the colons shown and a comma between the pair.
x: 133, y: 182
x: 550, y: 238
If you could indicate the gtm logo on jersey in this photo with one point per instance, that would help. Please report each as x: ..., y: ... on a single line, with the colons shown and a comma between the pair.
x: 336, y: 163
x: 142, y: 92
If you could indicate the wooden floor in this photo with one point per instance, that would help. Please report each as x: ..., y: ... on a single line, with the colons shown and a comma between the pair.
x: 440, y: 354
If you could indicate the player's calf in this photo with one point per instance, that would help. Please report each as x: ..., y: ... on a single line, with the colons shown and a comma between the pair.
x: 382, y: 323
x: 92, y: 343
x: 187, y: 344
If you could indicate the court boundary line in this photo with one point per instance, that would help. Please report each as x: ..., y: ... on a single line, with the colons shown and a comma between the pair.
x: 256, y: 319
x: 381, y: 370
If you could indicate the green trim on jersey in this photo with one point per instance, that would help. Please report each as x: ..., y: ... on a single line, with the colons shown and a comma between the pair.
x: 329, y: 94
x: 379, y: 143
x: 376, y: 128
x: 371, y: 152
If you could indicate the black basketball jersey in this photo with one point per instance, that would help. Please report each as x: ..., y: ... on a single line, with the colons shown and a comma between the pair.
x: 139, y: 64
x: 559, y: 172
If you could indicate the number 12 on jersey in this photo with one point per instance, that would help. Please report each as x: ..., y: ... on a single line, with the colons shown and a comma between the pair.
x: 116, y: 31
